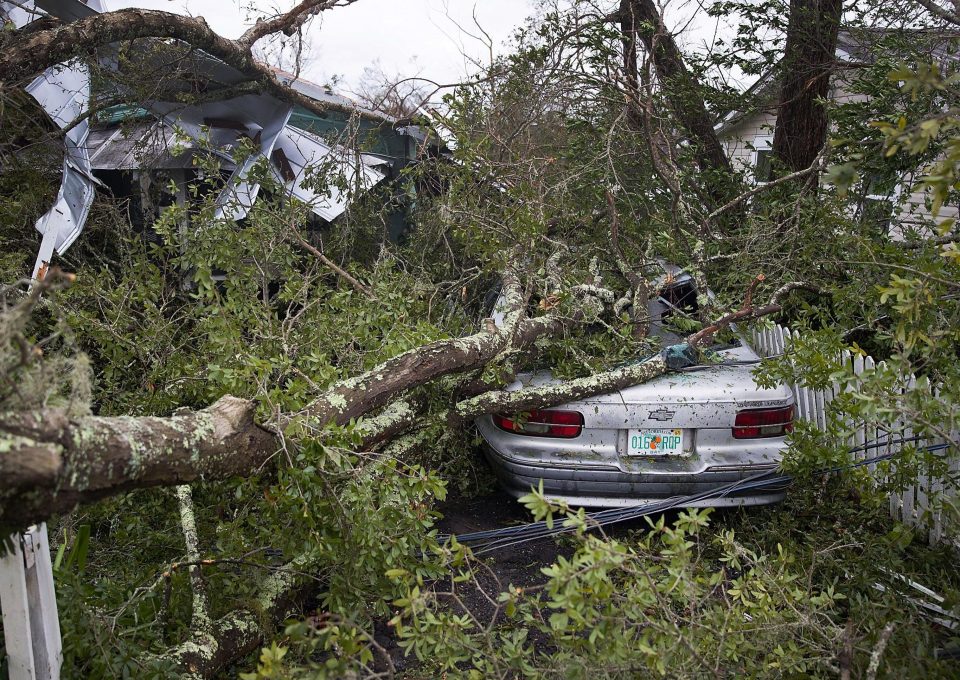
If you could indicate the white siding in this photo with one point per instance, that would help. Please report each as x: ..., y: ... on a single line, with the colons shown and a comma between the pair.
x: 740, y: 139
x: 754, y: 130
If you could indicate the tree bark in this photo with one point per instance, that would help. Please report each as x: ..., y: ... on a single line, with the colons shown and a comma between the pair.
x: 29, y: 53
x: 801, y: 129
x: 355, y: 397
x: 50, y: 463
x: 628, y: 33
x: 681, y: 90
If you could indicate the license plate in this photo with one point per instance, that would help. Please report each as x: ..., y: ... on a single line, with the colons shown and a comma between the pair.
x: 659, y: 442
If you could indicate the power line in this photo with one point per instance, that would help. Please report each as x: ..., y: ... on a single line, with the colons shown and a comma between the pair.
x: 496, y: 539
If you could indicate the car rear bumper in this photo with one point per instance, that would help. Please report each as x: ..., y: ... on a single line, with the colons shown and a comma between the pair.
x: 607, y: 488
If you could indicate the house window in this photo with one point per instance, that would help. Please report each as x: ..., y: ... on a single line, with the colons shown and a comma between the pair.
x: 877, y: 213
x: 762, y: 159
x: 878, y: 203
x: 762, y: 168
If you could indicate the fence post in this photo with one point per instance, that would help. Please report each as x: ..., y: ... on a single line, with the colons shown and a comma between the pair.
x: 31, y: 628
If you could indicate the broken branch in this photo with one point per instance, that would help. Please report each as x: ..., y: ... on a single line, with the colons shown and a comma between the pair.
x: 288, y: 22
x: 337, y: 269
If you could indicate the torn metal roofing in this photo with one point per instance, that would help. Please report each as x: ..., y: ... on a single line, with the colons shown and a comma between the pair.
x: 141, y: 144
x: 64, y: 93
x: 71, y: 10
x: 261, y: 118
x: 300, y: 159
x: 310, y: 169
x: 216, y: 127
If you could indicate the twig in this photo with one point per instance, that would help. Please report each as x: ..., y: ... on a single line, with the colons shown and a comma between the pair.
x: 878, y: 650
x: 787, y: 288
x: 748, y: 298
x: 339, y: 271
x: 747, y: 314
x: 631, y: 276
x: 640, y: 287
x: 768, y: 185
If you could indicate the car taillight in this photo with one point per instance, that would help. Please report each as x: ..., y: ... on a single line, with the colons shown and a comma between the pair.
x: 763, y: 422
x: 546, y: 423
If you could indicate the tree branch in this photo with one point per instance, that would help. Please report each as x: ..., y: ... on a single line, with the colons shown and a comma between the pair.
x: 29, y: 54
x: 813, y: 167
x: 338, y: 270
x: 552, y: 394
x: 188, y: 521
x: 941, y: 12
x: 289, y: 22
x: 680, y: 87
x: 50, y: 462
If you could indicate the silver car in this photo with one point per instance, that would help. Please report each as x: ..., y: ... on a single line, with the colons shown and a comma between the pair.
x: 679, y: 435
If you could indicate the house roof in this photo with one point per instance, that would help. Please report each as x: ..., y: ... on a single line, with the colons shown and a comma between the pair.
x: 215, y: 125
x: 141, y: 144
x: 325, y: 95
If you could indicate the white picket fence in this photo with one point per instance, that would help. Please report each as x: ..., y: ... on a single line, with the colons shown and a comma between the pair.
x: 916, y: 505
x: 28, y: 604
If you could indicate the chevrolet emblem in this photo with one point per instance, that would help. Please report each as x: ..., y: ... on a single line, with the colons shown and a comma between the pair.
x: 661, y: 414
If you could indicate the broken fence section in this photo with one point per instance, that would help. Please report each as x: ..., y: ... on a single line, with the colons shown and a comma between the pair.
x: 920, y: 505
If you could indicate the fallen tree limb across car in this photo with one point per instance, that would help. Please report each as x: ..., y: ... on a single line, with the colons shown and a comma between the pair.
x: 53, y: 460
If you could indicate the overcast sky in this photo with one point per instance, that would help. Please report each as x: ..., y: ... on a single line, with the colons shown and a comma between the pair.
x: 406, y: 36
x: 426, y: 38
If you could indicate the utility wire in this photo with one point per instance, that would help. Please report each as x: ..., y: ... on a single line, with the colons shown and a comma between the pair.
x: 495, y: 539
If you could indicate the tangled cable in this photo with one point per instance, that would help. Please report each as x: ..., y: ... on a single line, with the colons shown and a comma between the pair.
x: 483, y: 542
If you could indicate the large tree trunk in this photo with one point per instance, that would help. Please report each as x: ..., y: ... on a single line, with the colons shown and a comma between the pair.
x: 628, y: 33
x: 681, y: 90
x: 50, y: 462
x: 805, y: 72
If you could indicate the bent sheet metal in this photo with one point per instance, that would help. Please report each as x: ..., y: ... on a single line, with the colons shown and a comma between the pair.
x: 64, y: 93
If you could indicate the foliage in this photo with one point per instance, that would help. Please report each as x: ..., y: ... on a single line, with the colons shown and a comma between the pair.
x: 682, y: 598
x: 189, y: 308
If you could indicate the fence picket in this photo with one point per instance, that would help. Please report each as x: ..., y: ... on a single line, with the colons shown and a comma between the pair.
x: 859, y: 433
x: 820, y: 410
x: 910, y: 510
x: 918, y: 505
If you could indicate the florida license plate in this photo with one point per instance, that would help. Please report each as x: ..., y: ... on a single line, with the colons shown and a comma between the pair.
x: 660, y: 442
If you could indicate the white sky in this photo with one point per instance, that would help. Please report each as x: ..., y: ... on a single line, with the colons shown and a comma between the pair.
x: 411, y: 37
x: 427, y: 38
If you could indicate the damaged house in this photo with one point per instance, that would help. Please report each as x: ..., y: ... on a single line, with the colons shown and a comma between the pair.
x: 150, y: 153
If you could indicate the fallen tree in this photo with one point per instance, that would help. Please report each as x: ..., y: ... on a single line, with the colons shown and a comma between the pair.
x: 53, y: 461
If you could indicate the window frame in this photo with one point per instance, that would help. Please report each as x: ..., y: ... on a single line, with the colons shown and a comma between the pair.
x: 892, y: 197
x: 761, y: 143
